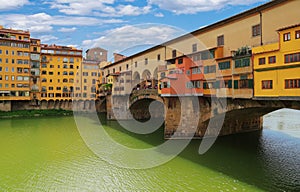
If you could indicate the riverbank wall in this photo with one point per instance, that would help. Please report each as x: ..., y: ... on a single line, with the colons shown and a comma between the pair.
x: 68, y: 105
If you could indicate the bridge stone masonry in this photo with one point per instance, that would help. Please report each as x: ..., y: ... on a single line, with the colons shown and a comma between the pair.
x: 195, y: 117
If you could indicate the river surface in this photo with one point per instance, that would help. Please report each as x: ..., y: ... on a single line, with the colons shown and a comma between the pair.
x: 48, y: 154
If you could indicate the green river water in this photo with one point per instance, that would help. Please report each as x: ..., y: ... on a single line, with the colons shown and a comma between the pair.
x: 48, y: 154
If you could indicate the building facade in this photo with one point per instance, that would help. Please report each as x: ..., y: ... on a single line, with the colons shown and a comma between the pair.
x: 14, y: 64
x: 277, y: 66
x: 220, y: 55
x: 59, y: 67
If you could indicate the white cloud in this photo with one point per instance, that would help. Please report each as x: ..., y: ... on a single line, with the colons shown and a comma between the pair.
x: 47, y: 38
x: 159, y: 15
x: 195, y: 6
x: 12, y: 4
x: 67, y: 30
x: 129, y: 36
x: 104, y: 8
x: 42, y: 22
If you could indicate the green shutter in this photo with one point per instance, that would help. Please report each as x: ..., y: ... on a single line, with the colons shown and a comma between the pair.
x: 217, y: 85
x: 236, y: 84
x: 230, y: 84
x: 250, y: 83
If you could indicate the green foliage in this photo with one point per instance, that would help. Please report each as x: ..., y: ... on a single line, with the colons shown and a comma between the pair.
x: 243, y: 51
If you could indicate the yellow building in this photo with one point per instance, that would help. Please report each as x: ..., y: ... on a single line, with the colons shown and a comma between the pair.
x: 59, y: 67
x: 277, y: 66
x: 14, y: 64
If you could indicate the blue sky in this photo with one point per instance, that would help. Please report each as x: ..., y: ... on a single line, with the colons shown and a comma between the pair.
x: 116, y: 25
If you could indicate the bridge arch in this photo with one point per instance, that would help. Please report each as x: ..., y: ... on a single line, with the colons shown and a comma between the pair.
x: 147, y: 107
x: 146, y: 75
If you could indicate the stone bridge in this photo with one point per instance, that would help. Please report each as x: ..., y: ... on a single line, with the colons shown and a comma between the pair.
x: 195, y: 116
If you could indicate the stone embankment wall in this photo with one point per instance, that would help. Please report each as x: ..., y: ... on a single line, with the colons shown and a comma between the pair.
x: 85, y: 106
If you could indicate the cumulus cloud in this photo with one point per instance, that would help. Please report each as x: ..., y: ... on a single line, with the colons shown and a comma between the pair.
x: 120, y: 39
x: 67, y: 30
x: 42, y: 22
x: 104, y: 8
x: 12, y: 4
x: 195, y: 6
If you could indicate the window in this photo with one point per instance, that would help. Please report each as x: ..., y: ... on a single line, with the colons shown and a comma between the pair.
x: 85, y: 80
x: 174, y: 53
x: 85, y: 73
x: 224, y: 84
x: 297, y: 36
x: 146, y: 61
x: 7, y: 77
x: 242, y: 63
x: 196, y: 70
x: 262, y: 61
x: 135, y: 64
x: 120, y: 69
x: 44, y: 80
x: 291, y: 58
x: 50, y: 88
x: 220, y: 40
x: 188, y: 72
x: 287, y: 36
x: 224, y: 65
x: 256, y: 30
x: 292, y: 83
x: 6, y: 69
x: 127, y: 67
x: 6, y: 52
x: 209, y: 69
x: 272, y: 59
x: 268, y: 84
x: 194, y: 47
x: 180, y: 61
x: 50, y: 72
x: 158, y: 57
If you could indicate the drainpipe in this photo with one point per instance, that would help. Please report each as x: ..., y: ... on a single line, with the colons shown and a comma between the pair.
x: 261, y: 25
